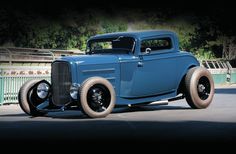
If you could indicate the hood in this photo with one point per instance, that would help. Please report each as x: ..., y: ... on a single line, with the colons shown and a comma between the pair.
x: 92, y: 59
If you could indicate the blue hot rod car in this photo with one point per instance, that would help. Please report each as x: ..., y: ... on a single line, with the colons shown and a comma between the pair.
x: 120, y: 69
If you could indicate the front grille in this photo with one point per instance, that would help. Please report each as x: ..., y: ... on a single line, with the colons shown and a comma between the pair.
x: 61, y: 81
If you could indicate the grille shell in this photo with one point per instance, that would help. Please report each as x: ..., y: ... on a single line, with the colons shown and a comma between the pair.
x: 61, y: 82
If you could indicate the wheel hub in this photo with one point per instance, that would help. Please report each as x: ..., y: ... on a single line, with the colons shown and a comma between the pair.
x: 201, y: 88
x: 97, y: 96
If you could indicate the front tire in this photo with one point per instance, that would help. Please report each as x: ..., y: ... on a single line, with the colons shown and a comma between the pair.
x: 28, y: 98
x: 199, y: 87
x: 97, y: 97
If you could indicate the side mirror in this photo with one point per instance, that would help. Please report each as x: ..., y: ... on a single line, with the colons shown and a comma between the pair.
x: 148, y: 50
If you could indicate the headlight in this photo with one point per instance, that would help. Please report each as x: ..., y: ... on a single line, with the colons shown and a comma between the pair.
x: 42, y: 90
x: 74, y: 88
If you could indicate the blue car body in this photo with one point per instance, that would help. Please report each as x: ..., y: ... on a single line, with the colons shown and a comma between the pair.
x: 137, y: 77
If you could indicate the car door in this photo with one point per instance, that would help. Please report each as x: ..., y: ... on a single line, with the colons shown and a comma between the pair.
x: 153, y: 72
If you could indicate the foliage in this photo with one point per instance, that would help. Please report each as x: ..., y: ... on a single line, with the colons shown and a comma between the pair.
x: 203, y: 54
x: 111, y: 25
x: 184, y: 30
x: 70, y: 30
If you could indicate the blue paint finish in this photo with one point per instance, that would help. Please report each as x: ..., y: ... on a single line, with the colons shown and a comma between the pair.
x: 109, y: 71
x: 91, y: 59
x: 136, y: 77
x: 125, y: 101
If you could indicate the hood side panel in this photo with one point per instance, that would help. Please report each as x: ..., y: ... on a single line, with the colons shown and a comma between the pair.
x: 91, y: 59
x: 111, y: 72
x: 86, y: 66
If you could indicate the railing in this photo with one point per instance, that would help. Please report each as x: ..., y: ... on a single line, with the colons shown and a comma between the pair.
x: 11, y: 55
x: 25, y: 70
x: 222, y: 71
x: 17, y: 65
x: 10, y: 85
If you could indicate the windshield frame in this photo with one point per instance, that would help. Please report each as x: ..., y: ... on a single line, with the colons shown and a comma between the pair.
x: 112, y: 50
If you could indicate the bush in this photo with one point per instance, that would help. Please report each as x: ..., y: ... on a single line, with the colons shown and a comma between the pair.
x: 202, y: 54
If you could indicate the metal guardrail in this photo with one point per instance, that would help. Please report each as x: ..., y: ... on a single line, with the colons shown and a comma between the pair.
x: 10, y: 85
x: 24, y: 70
x: 17, y: 65
x: 222, y: 71
x: 12, y: 55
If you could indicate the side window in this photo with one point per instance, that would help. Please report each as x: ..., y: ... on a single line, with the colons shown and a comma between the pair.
x: 156, y: 44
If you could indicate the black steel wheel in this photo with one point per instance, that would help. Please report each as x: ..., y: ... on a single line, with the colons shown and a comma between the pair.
x: 97, y: 97
x: 203, y: 88
x: 199, y: 87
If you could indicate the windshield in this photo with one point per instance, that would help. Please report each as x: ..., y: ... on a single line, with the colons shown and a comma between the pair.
x: 115, y: 45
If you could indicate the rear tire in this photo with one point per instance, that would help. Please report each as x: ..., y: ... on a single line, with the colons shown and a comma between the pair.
x: 97, y: 97
x: 28, y: 99
x: 199, y: 87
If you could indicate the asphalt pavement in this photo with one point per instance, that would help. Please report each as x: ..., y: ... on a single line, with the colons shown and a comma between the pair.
x: 172, y: 123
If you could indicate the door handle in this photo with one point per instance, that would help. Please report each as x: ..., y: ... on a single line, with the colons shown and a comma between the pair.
x: 140, y: 64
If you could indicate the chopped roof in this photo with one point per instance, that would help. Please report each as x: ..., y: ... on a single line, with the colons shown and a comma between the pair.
x: 136, y: 34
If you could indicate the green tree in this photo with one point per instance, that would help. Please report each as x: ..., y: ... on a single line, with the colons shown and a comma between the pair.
x: 113, y: 25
